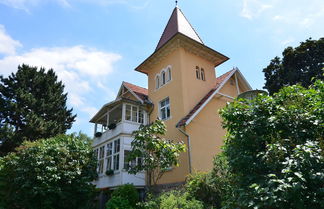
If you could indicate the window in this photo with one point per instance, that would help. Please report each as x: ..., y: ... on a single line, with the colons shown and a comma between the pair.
x: 141, y: 116
x: 202, y: 74
x: 197, y: 72
x: 169, y: 74
x: 134, y: 114
x: 165, y: 109
x: 128, y: 112
x: 133, y: 163
x: 163, y: 78
x: 157, y: 82
x: 109, y: 156
x: 101, y: 159
x: 116, y: 154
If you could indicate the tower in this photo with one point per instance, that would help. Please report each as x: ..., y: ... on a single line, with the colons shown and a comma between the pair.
x: 181, y: 71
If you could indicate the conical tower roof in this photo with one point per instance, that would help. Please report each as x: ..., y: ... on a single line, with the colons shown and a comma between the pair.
x: 178, y: 23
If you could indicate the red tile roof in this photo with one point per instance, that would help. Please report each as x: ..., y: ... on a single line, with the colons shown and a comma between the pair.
x: 219, y: 81
x: 141, y: 92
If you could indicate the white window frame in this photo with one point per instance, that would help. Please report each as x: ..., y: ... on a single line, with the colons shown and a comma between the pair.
x: 165, y: 109
x: 115, y: 153
x: 101, y: 159
x: 133, y: 162
x: 163, y: 78
x: 169, y: 74
x: 139, y: 118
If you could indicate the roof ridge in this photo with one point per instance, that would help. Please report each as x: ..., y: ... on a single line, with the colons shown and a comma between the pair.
x: 135, y: 85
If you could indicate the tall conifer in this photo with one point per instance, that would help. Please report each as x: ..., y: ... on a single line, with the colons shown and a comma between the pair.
x: 32, y: 106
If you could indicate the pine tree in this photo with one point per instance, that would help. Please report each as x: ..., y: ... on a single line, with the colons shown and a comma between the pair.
x: 32, y: 106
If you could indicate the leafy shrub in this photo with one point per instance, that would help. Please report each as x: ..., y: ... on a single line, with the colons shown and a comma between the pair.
x: 125, y: 196
x: 117, y: 202
x: 274, y: 149
x: 211, y: 188
x: 174, y: 200
x: 49, y: 174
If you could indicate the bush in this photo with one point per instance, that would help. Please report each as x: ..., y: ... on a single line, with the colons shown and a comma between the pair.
x: 173, y: 200
x: 274, y: 149
x: 125, y: 196
x: 49, y: 174
x: 211, y: 188
x: 118, y: 202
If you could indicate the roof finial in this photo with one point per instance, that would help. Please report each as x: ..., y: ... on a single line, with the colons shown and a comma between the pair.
x: 176, y: 3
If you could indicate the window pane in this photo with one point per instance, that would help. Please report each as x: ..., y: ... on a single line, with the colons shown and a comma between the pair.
x: 126, y: 164
x: 163, y: 78
x: 102, y: 152
x: 139, y: 161
x: 116, y: 162
x: 202, y: 74
x: 128, y: 112
x: 166, y: 101
x: 163, y: 116
x: 140, y: 116
x: 109, y: 149
x: 116, y: 146
x: 157, y: 82
x: 101, y: 165
x: 168, y: 112
x: 169, y: 74
x: 108, y: 163
x: 134, y: 111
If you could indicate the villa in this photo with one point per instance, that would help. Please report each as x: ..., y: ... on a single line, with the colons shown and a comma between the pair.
x: 183, y: 91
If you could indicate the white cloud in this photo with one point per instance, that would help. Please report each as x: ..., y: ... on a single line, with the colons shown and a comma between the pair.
x: 91, y: 111
x: 79, y: 68
x: 253, y: 8
x: 7, y: 44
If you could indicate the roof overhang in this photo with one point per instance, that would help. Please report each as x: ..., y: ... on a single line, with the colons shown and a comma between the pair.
x: 105, y: 108
x: 183, y: 41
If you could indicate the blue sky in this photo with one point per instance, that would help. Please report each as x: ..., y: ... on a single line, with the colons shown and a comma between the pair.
x: 94, y: 45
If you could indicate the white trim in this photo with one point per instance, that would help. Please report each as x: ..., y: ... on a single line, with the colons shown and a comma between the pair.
x: 133, y: 94
x: 225, y: 95
x: 210, y: 97
x: 243, y: 78
x: 237, y: 86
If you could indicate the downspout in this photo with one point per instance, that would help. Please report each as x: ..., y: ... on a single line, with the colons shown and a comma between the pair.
x: 189, y: 148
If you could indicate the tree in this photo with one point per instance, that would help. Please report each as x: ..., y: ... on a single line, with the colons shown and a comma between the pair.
x: 32, y: 106
x: 298, y: 65
x: 274, y: 149
x: 157, y: 154
x: 49, y: 174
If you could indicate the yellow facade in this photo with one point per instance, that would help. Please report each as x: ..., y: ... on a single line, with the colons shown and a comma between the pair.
x: 184, y: 54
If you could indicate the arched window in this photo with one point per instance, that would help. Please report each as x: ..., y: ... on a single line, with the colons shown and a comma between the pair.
x: 163, y: 77
x: 169, y: 74
x: 197, y: 72
x: 202, y: 74
x: 157, y: 82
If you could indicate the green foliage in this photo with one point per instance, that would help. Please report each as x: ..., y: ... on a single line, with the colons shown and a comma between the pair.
x: 174, y: 200
x: 50, y: 174
x: 274, y: 149
x: 127, y: 192
x: 157, y: 154
x: 117, y: 202
x: 299, y: 65
x: 211, y: 188
x: 32, y: 106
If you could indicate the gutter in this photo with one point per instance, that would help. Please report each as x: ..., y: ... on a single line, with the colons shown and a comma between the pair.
x: 189, y: 149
